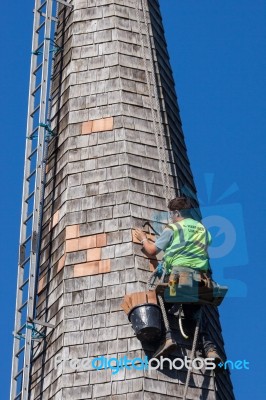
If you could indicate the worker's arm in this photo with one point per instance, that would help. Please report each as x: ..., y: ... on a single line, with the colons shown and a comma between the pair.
x: 148, y: 246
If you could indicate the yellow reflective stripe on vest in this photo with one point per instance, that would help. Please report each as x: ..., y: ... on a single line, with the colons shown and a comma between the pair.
x: 172, y: 251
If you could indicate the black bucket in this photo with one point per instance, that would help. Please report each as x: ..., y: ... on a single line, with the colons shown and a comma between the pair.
x: 146, y: 320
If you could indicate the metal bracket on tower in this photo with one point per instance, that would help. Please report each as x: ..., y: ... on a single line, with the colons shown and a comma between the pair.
x: 48, y: 134
x: 55, y: 48
x: 36, y: 335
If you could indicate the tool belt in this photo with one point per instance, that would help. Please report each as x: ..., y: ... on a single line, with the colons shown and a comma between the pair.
x: 188, y: 285
x: 189, y: 277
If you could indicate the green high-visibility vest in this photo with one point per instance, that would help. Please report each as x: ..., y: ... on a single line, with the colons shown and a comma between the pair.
x: 189, y: 246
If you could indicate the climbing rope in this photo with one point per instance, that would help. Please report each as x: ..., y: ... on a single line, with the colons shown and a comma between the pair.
x: 195, y: 340
x: 154, y: 99
x: 165, y: 318
x: 161, y: 149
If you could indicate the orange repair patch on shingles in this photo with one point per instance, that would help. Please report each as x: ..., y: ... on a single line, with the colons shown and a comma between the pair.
x: 86, y: 128
x: 101, y: 240
x: 93, y: 244
x: 92, y: 268
x: 72, y: 245
x: 87, y: 242
x: 97, y: 125
x: 82, y: 243
x: 104, y: 124
x: 61, y: 263
x: 55, y: 218
x: 72, y: 231
x: 85, y: 269
x: 42, y: 283
x: 94, y: 254
x: 104, y: 266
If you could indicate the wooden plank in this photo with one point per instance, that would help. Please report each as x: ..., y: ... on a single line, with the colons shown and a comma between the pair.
x: 134, y: 299
x: 151, y: 297
x: 125, y: 307
x: 141, y: 297
x: 128, y: 300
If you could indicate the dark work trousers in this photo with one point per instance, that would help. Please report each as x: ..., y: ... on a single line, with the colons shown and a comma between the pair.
x: 190, y: 320
x: 189, y: 323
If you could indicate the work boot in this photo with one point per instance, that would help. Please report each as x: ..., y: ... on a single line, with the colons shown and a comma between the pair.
x: 212, y: 353
x: 167, y: 346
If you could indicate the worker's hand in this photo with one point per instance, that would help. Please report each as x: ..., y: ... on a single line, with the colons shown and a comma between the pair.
x: 139, y: 234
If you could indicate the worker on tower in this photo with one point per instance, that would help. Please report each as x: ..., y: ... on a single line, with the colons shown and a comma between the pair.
x: 185, y: 244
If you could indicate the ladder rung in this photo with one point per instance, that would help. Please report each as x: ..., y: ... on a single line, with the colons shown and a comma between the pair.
x: 52, y: 18
x: 38, y: 51
x: 40, y: 27
x: 18, y: 374
x: 21, y: 328
x: 32, y: 136
x: 35, y: 110
x: 28, y: 218
x: 30, y: 196
x: 42, y: 5
x: 31, y: 175
x: 35, y: 129
x: 36, y: 89
x: 36, y: 148
x: 23, y: 305
x: 24, y: 284
x: 24, y: 262
x: 18, y: 396
x: 37, y: 68
x: 26, y: 240
x: 20, y: 351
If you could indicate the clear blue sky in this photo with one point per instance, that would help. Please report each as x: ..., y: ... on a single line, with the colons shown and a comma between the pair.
x: 218, y: 54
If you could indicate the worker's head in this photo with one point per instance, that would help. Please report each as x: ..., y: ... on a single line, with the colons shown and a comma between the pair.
x: 179, y: 208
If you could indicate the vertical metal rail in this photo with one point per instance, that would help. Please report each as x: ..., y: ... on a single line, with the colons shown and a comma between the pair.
x: 32, y: 198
